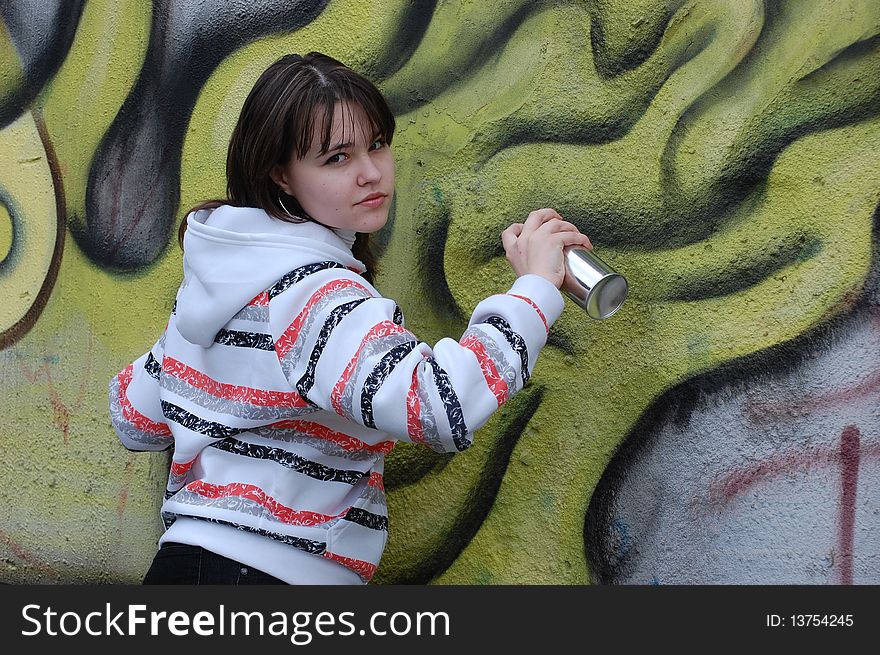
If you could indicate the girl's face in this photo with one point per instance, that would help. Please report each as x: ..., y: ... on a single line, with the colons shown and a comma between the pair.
x: 351, y: 185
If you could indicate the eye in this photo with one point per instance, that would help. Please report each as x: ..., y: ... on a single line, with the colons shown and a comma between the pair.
x: 336, y: 159
x: 378, y: 143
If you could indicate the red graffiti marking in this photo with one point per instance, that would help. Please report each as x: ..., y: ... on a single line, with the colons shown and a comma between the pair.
x: 61, y: 411
x: 141, y: 212
x: 758, y: 411
x: 24, y: 555
x: 848, y: 457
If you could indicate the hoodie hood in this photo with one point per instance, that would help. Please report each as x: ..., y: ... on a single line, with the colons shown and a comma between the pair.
x: 231, y: 254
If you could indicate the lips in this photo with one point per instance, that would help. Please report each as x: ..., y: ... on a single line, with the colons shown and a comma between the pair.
x: 372, y: 200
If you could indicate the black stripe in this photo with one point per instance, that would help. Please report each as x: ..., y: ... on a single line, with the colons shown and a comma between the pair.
x: 290, y: 460
x: 516, y: 342
x: 398, y: 315
x: 451, y: 404
x: 377, y: 378
x: 308, y: 379
x: 196, y: 424
x: 308, y: 545
x: 152, y: 367
x: 366, y: 519
x: 240, y: 339
x: 297, y: 275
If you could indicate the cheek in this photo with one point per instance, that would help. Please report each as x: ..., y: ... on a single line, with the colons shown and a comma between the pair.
x: 313, y: 190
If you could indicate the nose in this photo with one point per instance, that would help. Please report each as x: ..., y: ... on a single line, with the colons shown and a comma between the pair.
x: 368, y: 173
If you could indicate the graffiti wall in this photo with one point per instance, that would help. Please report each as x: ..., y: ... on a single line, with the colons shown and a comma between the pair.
x: 723, y: 427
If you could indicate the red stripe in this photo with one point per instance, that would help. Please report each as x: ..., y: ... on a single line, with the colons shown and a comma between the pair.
x: 254, y: 493
x: 537, y: 309
x: 180, y: 469
x: 260, y: 300
x: 343, y: 440
x: 383, y: 329
x: 217, y: 389
x: 285, y: 343
x: 133, y: 416
x: 496, y: 383
x: 362, y: 568
x: 376, y: 481
x: 413, y: 410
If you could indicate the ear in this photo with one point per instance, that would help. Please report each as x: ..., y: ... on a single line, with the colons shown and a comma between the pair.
x: 279, y: 177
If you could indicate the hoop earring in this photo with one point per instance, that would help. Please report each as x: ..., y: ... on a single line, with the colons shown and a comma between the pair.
x: 286, y: 210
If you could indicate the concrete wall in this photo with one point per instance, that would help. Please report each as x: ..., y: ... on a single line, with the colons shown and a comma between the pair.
x: 722, y: 427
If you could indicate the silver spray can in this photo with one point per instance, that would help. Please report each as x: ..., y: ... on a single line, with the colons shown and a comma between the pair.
x: 592, y: 284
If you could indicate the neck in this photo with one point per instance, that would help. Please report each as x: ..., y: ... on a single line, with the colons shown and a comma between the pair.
x: 347, y: 236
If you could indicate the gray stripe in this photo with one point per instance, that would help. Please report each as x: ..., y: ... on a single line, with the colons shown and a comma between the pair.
x: 375, y: 346
x: 234, y: 408
x: 290, y: 435
x: 124, y: 427
x: 426, y: 412
x: 175, y: 482
x: 254, y: 313
x: 502, y: 364
x: 242, y: 506
x: 375, y: 496
x: 295, y: 354
x: 141, y: 437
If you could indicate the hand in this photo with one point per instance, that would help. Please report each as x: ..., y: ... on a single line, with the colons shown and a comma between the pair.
x: 536, y: 245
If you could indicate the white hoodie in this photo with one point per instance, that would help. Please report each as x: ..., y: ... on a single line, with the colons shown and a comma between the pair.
x: 282, y: 379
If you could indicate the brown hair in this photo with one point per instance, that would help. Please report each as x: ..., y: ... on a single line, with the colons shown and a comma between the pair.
x: 276, y: 123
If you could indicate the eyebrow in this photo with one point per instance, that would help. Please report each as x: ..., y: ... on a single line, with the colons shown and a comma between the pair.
x: 339, y: 146
x: 376, y: 135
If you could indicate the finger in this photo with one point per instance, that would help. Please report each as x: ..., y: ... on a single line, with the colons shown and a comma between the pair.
x: 573, y: 239
x: 561, y: 225
x: 509, y: 236
x: 515, y: 228
x: 537, y: 218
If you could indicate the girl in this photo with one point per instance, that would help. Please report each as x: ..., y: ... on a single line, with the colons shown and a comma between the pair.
x: 283, y: 377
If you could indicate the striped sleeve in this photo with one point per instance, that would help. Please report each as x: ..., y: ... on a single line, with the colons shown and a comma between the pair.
x: 135, y: 409
x: 345, y: 349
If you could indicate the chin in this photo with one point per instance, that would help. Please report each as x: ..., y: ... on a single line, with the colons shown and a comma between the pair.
x: 373, y: 226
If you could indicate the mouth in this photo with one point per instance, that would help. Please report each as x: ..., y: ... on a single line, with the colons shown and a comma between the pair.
x: 372, y: 200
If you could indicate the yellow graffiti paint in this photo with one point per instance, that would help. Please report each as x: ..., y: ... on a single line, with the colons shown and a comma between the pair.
x: 97, y: 79
x: 26, y: 184
x: 5, y: 232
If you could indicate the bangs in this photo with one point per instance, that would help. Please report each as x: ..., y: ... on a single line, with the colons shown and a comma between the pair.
x: 318, y: 104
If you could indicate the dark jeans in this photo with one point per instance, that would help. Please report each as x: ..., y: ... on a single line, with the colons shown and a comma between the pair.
x: 193, y: 565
